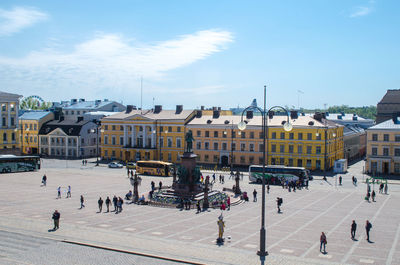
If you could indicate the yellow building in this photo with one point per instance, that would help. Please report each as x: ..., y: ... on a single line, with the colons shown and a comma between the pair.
x: 30, y: 124
x: 217, y: 140
x: 134, y: 135
x: 9, y: 104
x: 383, y: 147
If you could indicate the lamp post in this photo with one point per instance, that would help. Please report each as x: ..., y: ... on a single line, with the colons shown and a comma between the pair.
x: 225, y: 133
x: 287, y: 127
x: 97, y: 140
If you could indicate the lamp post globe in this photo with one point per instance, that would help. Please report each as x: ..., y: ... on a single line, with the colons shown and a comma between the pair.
x: 241, y: 125
x: 288, y: 126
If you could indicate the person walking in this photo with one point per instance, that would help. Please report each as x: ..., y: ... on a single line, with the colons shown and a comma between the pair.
x: 69, y: 192
x: 381, y: 187
x: 340, y: 180
x: 44, y: 180
x: 368, y: 227
x: 223, y: 179
x: 228, y: 202
x: 115, y: 202
x: 279, y: 202
x: 198, y: 207
x: 108, y: 202
x: 100, y: 202
x: 323, y: 242
x: 59, y: 192
x: 82, y: 201
x: 268, y: 188
x: 254, y: 195
x: 213, y: 176
x: 386, y: 188
x: 160, y: 185
x: 367, y: 196
x: 153, y: 186
x: 353, y: 229
x: 56, y: 219
x: 373, y: 195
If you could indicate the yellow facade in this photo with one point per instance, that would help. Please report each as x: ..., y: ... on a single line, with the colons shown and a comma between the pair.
x: 383, y: 148
x: 137, y: 136
x: 29, y: 131
x: 9, y: 136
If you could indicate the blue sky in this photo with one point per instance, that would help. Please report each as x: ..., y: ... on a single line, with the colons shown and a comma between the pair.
x: 212, y: 53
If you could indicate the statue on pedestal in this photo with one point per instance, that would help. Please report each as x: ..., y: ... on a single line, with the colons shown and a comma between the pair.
x: 189, y: 141
x: 221, y: 226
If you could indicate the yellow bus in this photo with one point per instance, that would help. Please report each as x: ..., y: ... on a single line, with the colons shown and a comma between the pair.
x: 155, y: 168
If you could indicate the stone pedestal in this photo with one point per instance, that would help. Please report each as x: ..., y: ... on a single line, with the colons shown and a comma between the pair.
x: 188, y: 184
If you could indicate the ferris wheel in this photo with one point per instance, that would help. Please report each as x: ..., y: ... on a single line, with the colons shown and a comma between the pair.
x: 32, y: 102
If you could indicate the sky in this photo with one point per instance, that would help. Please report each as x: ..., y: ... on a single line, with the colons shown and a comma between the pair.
x: 202, y: 53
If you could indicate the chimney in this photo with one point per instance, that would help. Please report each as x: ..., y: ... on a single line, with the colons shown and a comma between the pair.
x: 271, y: 114
x: 81, y: 100
x: 215, y: 113
x: 318, y: 116
x: 214, y: 108
x: 179, y: 109
x: 129, y: 108
x: 294, y: 114
x: 73, y: 101
x: 219, y: 108
x: 157, y: 108
x: 340, y: 117
x: 354, y: 118
x: 199, y: 113
x: 80, y: 118
x: 105, y: 100
x: 249, y: 114
x: 202, y: 108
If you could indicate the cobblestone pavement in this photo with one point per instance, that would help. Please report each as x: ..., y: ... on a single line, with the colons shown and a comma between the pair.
x: 292, y: 237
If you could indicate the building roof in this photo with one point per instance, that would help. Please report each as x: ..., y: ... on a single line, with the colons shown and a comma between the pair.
x: 34, y: 115
x: 71, y: 128
x: 9, y: 96
x: 88, y: 105
x: 342, y: 117
x: 149, y: 114
x: 276, y: 121
x: 352, y: 129
x: 386, y: 125
x: 392, y: 96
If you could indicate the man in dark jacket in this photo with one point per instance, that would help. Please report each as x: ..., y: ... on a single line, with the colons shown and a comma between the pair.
x: 353, y: 229
x: 368, y: 227
x: 56, y: 218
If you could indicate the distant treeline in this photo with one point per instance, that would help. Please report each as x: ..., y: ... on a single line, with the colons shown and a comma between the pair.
x: 368, y: 112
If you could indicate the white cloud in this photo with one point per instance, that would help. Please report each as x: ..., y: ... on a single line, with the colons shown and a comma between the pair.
x: 108, y: 63
x: 361, y: 11
x: 12, y: 21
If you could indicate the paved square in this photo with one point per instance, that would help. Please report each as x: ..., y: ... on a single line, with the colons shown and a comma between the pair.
x: 292, y: 236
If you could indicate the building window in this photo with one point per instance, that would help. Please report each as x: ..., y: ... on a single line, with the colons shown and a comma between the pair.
x: 251, y: 135
x: 318, y: 149
x: 374, y: 166
x: 161, y: 129
x: 12, y: 121
x: 224, y: 133
x: 309, y: 149
x: 35, y: 126
x: 3, y: 107
x: 106, y: 127
x: 78, y: 112
x: 121, y: 128
x: 178, y: 129
x: 121, y: 140
x: 282, y: 148
x: 178, y: 142
x: 206, y: 158
x: 273, y: 148
x: 198, y: 133
x: 309, y: 136
x: 300, y: 136
x: 105, y: 139
x: 224, y: 146
x: 242, y: 159
x: 299, y: 162
x: 72, y: 112
x: 161, y: 142
x: 260, y: 147
x: 216, y: 134
x: 4, y: 122
x: 198, y: 145
x: 215, y: 159
x: 397, y: 168
x: 206, y: 145
x: 308, y: 164
x: 215, y: 146
x: 291, y: 137
x: 251, y: 147
x: 260, y: 160
x: 318, y: 164
x: 243, y: 135
x: 13, y: 137
x: 290, y: 164
x: 374, y: 151
x: 397, y: 138
x: 233, y: 146
x: 242, y: 147
x: 299, y: 149
x: 273, y: 135
x: 273, y: 161
x: 261, y: 135
x: 4, y: 137
x: 386, y: 137
x: 374, y: 137
x: 169, y: 157
x: 233, y: 134
x: 113, y: 127
x: 169, y: 130
x: 113, y: 153
x: 291, y: 148
x: 318, y: 136
x: 396, y: 152
x: 386, y: 151
x: 282, y: 135
x: 113, y: 142
x: 169, y: 142
x: 207, y: 134
x: 281, y: 161
x: 251, y: 159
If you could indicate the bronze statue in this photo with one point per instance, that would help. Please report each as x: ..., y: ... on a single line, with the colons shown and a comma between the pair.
x: 189, y: 141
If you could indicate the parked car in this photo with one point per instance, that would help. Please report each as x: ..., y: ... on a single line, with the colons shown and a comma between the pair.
x: 115, y: 165
x: 131, y: 165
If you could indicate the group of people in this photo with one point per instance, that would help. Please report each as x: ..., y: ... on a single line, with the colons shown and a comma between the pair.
x: 116, y: 201
x: 68, y: 192
x: 383, y: 188
x: 84, y: 162
x: 353, y: 229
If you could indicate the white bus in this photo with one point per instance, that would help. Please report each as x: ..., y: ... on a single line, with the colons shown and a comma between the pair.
x: 275, y: 175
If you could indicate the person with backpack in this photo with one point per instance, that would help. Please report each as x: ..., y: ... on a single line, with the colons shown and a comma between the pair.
x: 368, y: 227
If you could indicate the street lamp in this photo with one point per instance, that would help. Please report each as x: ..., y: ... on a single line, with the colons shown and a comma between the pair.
x: 97, y: 141
x: 287, y: 127
x: 226, y: 133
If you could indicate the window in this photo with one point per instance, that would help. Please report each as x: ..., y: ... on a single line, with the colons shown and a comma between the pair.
x: 106, y: 127
x: 273, y: 161
x: 113, y: 127
x: 169, y: 157
x: 282, y: 135
x: 206, y: 145
x: 397, y: 168
x: 242, y: 147
x: 105, y: 139
x: 386, y: 151
x: 291, y: 136
x: 169, y: 130
x: 309, y: 149
x: 273, y: 135
x: 260, y: 147
x: 260, y: 160
x: 169, y: 142
x: 82, y: 140
x: 198, y: 133
x: 374, y: 151
x: 4, y: 122
x: 35, y: 126
x: 215, y: 146
x: 178, y: 129
x: 374, y: 137
x: 224, y: 134
x: 206, y: 158
x: 308, y: 164
x: 251, y: 135
x: 374, y: 166
x: 12, y: 121
x: 318, y: 164
x: 243, y: 135
x: 198, y: 145
x: 161, y: 142
x: 233, y: 134
x: 281, y: 161
x: 207, y: 134
x: 13, y: 137
x: 299, y: 149
x: 397, y: 138
x: 251, y: 159
x: 290, y: 164
x: 273, y: 148
x: 178, y: 142
x: 215, y: 159
x: 216, y: 134
x: 30, y: 126
x: 251, y: 147
x: 318, y: 136
x: 121, y: 128
x: 291, y: 148
x: 318, y: 149
x: 224, y: 146
x: 113, y: 140
x: 78, y: 112
x: 233, y: 146
x: 309, y: 136
x: 242, y: 159
x: 299, y: 162
x: 161, y: 129
x: 72, y: 112
x: 261, y: 135
x: 386, y: 137
x: 3, y: 107
x: 300, y: 136
x: 397, y: 152
x: 4, y: 137
x: 281, y: 148
x: 121, y: 140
